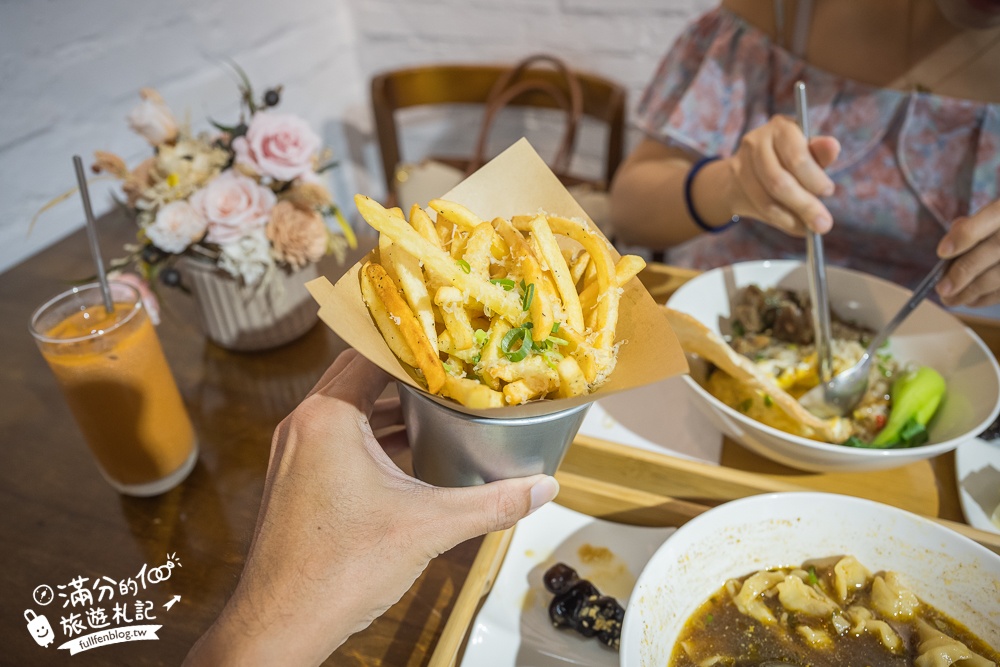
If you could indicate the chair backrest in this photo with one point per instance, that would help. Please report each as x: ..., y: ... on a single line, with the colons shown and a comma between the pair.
x: 601, y: 99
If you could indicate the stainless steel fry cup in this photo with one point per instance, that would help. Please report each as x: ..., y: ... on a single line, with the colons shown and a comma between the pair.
x: 451, y: 448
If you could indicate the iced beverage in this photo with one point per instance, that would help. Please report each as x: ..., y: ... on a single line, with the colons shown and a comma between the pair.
x: 113, y: 374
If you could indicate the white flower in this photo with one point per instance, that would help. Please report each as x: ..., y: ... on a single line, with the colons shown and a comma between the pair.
x: 176, y: 226
x: 248, y: 257
x: 152, y: 119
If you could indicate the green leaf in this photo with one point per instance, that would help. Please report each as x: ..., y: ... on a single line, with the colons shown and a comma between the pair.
x: 232, y: 130
x: 329, y: 165
x: 913, y: 433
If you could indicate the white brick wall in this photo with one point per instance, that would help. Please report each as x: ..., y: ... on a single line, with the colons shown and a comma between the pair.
x: 70, y: 72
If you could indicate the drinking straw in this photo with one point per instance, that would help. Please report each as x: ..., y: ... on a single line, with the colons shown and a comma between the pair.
x: 95, y: 248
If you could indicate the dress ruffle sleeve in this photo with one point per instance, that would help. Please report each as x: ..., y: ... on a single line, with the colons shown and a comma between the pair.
x: 723, y: 78
x: 949, y: 153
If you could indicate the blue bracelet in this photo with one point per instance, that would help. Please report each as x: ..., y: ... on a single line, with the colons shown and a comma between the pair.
x: 688, y: 181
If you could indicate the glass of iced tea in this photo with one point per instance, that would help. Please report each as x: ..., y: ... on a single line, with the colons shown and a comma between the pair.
x: 113, y: 374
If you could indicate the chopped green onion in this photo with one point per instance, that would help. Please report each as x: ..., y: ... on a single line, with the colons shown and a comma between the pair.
x: 505, y: 283
x: 510, y: 339
x: 477, y: 358
x: 481, y: 337
x: 768, y: 401
x: 555, y: 327
x: 709, y: 618
x: 746, y: 405
x: 738, y: 328
x: 552, y: 359
x: 448, y: 368
x: 529, y: 294
x: 813, y: 579
x: 555, y: 340
x: 462, y: 264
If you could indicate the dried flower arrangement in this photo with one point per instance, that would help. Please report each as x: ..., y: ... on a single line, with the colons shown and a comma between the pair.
x: 247, y: 197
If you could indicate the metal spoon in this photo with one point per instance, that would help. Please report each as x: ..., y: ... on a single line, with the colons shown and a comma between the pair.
x: 839, y: 396
x: 816, y: 263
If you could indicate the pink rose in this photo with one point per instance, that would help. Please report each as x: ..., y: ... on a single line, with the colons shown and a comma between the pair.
x: 281, y: 146
x: 234, y: 205
x: 177, y: 225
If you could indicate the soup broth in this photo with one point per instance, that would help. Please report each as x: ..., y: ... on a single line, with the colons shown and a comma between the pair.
x: 829, y: 612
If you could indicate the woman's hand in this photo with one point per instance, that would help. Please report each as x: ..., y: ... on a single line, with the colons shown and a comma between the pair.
x: 778, y: 177
x: 973, y: 280
x: 342, y: 532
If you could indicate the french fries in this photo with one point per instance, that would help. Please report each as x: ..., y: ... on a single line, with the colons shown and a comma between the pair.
x: 495, y: 312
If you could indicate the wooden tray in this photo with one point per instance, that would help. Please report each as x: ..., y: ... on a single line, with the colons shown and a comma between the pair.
x: 628, y: 485
x: 619, y: 483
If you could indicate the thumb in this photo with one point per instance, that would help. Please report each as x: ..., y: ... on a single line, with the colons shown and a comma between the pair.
x: 475, y: 510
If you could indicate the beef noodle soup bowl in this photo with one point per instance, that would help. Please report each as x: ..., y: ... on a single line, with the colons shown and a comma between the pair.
x: 947, y: 572
x: 930, y: 337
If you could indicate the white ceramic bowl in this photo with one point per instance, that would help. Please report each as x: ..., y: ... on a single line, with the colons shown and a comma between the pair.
x: 943, y: 568
x: 930, y: 336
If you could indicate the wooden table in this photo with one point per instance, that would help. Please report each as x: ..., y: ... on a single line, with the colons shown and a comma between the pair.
x: 60, y: 520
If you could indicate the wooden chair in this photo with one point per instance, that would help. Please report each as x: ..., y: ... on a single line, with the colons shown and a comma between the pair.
x: 600, y: 99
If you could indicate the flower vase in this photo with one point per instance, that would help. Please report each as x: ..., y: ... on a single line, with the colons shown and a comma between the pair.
x: 244, y: 318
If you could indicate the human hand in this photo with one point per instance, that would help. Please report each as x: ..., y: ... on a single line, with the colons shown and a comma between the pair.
x: 342, y: 532
x: 973, y: 279
x: 779, y: 177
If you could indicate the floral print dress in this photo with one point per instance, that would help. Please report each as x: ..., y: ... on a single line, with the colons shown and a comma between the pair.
x: 910, y: 162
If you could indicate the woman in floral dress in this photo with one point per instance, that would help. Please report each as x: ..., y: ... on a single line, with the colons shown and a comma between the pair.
x: 903, y: 166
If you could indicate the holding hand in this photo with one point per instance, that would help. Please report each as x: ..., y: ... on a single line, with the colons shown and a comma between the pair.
x: 973, y: 279
x: 778, y: 177
x: 342, y: 532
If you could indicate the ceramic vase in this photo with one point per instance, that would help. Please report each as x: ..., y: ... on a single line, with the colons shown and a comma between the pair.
x: 242, y: 318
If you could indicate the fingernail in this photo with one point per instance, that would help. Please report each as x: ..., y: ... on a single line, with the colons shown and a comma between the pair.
x: 822, y: 224
x: 543, y: 491
x: 945, y: 248
x: 828, y: 190
x: 945, y: 287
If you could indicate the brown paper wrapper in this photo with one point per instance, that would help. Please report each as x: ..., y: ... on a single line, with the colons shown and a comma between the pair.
x: 516, y: 182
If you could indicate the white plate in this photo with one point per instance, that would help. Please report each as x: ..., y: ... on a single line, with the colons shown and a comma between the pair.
x: 660, y: 417
x: 513, y: 628
x: 977, y: 466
